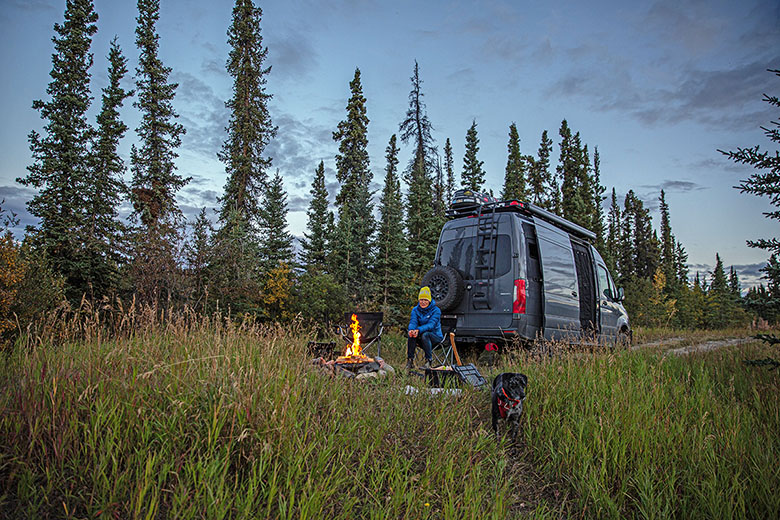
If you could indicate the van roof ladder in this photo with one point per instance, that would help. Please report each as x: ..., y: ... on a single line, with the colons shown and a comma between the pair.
x: 487, y: 242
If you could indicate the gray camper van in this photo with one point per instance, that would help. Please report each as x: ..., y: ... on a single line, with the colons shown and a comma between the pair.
x: 507, y: 269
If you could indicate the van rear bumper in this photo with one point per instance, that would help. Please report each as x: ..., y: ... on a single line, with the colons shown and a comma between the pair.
x: 520, y: 331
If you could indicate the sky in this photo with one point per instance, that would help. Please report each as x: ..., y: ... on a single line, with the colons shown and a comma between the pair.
x: 659, y: 87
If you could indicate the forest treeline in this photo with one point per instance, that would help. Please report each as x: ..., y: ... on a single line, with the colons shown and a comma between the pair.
x: 368, y: 250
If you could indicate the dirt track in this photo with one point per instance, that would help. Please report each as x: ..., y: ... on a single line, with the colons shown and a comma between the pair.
x: 706, y: 346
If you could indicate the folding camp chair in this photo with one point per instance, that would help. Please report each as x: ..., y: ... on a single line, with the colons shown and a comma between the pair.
x: 442, y: 352
x: 370, y: 331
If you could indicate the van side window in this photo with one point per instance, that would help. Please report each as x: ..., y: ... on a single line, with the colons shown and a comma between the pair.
x: 604, y: 286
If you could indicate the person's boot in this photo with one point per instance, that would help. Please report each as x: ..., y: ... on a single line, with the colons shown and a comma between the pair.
x: 427, y: 365
x: 409, y: 364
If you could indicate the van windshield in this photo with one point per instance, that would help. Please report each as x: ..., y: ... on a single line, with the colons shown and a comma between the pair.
x: 461, y: 254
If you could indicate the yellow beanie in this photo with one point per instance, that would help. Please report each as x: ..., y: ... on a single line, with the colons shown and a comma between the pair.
x: 425, y: 294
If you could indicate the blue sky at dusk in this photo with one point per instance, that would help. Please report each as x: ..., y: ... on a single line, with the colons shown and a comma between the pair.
x: 658, y: 87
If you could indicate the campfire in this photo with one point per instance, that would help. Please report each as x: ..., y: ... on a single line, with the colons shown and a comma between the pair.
x: 354, y: 363
x: 354, y: 352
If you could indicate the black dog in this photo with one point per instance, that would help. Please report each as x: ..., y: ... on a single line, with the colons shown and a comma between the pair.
x: 508, y: 395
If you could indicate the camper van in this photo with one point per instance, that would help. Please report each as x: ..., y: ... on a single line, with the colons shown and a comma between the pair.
x: 507, y: 270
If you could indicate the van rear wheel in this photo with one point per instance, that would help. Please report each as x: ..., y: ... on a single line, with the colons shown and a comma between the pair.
x: 446, y: 285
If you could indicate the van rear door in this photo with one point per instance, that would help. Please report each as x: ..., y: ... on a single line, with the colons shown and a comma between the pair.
x: 559, y: 274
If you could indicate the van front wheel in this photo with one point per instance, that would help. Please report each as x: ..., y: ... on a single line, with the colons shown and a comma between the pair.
x: 446, y: 285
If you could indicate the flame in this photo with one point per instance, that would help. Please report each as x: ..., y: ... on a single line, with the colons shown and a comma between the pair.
x: 354, y: 352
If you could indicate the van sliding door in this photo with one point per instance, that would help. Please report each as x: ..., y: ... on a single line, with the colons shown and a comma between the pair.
x: 561, y: 300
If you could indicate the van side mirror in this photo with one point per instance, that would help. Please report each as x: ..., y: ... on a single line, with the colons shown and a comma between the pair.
x: 620, y: 295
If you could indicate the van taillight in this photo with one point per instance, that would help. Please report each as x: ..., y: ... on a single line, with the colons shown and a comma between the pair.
x: 518, y: 307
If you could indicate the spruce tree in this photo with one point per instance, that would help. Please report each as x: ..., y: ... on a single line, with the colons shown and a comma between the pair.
x: 391, y: 263
x: 155, y: 181
x: 539, y: 174
x: 612, y: 252
x: 765, y: 182
x: 250, y: 128
x: 574, y: 190
x: 668, y: 247
x: 61, y: 164
x: 514, y: 178
x: 422, y: 223
x: 198, y: 255
x: 473, y: 176
x: 277, y: 241
x: 314, y: 245
x: 597, y: 219
x: 351, y: 263
x: 449, y: 167
x: 417, y: 128
x: 104, y: 233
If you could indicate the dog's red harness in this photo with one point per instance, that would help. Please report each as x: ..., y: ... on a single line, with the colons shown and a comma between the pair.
x: 504, y: 405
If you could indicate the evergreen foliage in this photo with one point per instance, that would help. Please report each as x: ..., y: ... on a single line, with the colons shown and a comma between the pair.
x: 250, y: 128
x: 514, y: 177
x: 198, y: 255
x: 276, y: 243
x: 765, y: 182
x: 62, y: 167
x: 597, y: 218
x: 541, y: 183
x: 473, y: 176
x: 449, y: 167
x: 351, y: 256
x: 155, y: 181
x: 391, y: 264
x: 422, y: 221
x: 104, y: 236
x: 314, y: 245
x: 612, y: 251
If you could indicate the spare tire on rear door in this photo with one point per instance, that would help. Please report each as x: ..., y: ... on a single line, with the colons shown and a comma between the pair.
x: 446, y: 285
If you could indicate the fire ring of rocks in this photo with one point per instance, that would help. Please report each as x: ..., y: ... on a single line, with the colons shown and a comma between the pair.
x: 370, y: 368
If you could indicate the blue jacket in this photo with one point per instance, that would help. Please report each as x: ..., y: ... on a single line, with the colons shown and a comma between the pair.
x: 427, y: 319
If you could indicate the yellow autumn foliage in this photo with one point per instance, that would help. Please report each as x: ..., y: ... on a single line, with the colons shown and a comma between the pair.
x: 11, y: 273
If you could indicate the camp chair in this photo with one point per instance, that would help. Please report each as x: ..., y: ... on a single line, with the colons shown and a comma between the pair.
x: 370, y: 331
x: 442, y: 352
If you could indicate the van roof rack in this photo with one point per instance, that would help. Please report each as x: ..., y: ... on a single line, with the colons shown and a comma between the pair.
x: 516, y: 206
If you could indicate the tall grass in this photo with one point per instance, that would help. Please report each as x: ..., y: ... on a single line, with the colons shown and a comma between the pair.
x: 225, y: 420
x: 132, y: 413
x: 653, y: 436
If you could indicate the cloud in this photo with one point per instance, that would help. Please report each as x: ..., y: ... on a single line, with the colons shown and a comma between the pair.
x: 674, y: 186
x: 14, y: 202
x: 202, y: 113
x: 34, y: 6
x: 291, y: 55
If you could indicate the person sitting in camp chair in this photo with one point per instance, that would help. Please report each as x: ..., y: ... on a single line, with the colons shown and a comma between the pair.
x: 424, y: 328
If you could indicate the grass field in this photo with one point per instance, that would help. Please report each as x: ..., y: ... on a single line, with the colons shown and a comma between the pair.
x: 216, y: 420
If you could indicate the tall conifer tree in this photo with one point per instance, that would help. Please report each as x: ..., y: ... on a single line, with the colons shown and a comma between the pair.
x: 391, y: 264
x: 539, y: 174
x: 514, y: 178
x: 104, y: 233
x: 277, y: 241
x: 473, y: 176
x: 155, y: 181
x: 449, y: 167
x: 250, y: 128
x: 422, y: 223
x: 314, y: 245
x: 61, y: 164
x: 355, y: 227
x: 597, y: 219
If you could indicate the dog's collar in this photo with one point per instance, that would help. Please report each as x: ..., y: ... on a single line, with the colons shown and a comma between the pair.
x: 504, y: 405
